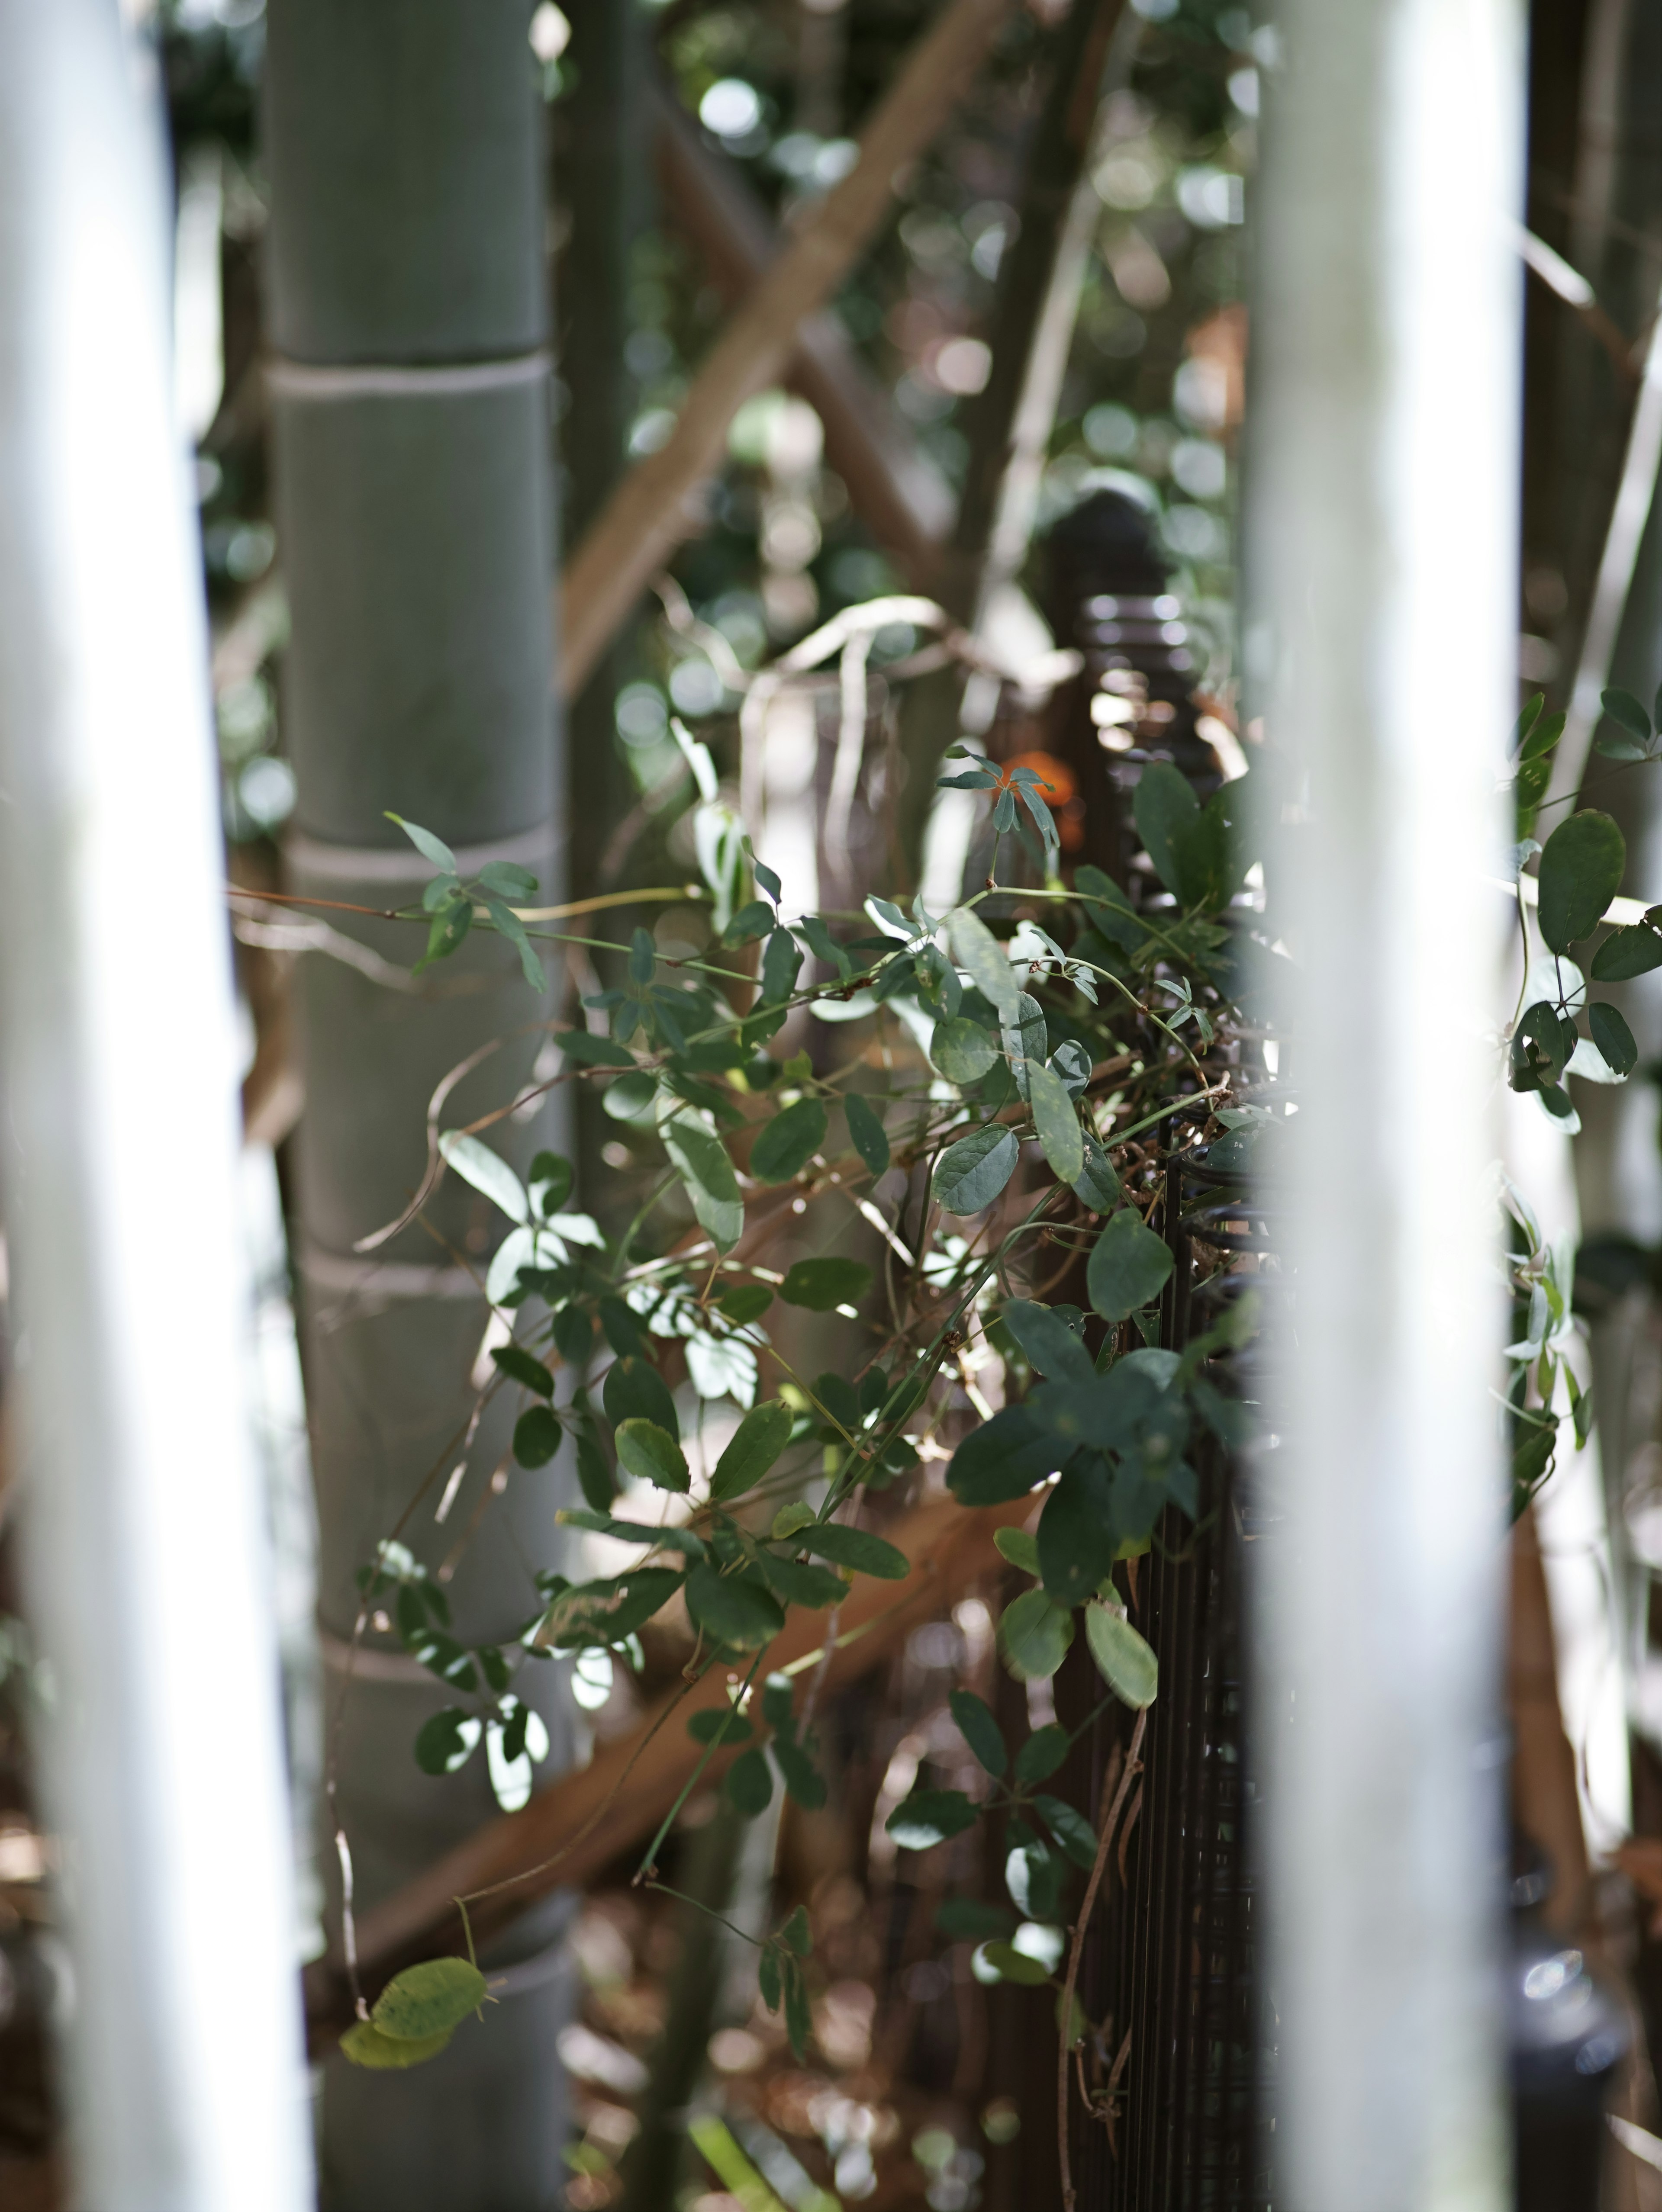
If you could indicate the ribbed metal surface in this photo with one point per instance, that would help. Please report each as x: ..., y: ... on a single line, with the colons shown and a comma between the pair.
x: 1179, y: 2076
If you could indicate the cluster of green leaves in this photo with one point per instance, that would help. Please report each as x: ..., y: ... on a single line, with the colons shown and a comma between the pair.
x: 416, y: 2015
x: 454, y: 905
x: 1542, y: 1280
x: 1008, y: 1038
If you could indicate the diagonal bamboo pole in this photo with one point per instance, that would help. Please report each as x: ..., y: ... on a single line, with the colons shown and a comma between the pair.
x: 652, y: 510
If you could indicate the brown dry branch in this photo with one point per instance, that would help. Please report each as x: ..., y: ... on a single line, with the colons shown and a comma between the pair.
x: 651, y: 513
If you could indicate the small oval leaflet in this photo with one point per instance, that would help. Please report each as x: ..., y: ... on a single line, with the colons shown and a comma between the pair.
x: 521, y: 1366
x: 821, y: 1285
x: 365, y: 2045
x: 1034, y: 1635
x: 962, y: 1049
x: 867, y: 1133
x: 723, y: 1725
x: 1628, y: 952
x: 928, y: 1816
x: 634, y: 1390
x: 753, y: 1447
x: 745, y: 1302
x: 1013, y: 1965
x: 970, y: 1174
x: 653, y: 1455
x: 1614, y: 1039
x: 428, y: 2000
x: 1128, y: 1266
x: 976, y: 950
x: 750, y: 1784
x: 447, y: 1741
x: 734, y: 1611
x: 1581, y: 870
x: 1125, y: 1661
x: 1056, y: 1122
x: 1071, y: 1830
x: 788, y: 1142
x: 536, y: 1437
x: 980, y: 1731
x: 1019, y: 1546
x: 855, y: 1548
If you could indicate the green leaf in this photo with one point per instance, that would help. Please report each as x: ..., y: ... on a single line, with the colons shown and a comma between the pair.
x: 821, y: 1285
x: 508, y: 880
x: 1051, y: 1348
x: 733, y: 1610
x: 429, y: 847
x: 1097, y: 1185
x: 1124, y: 1660
x: 1003, y: 1459
x: 593, y: 1051
x: 1071, y: 1830
x: 972, y: 1920
x: 607, y: 1611
x: 745, y: 1302
x: 365, y: 2045
x: 1582, y: 870
x: 550, y: 1178
x: 725, y: 1726
x: 788, y: 1142
x: 978, y: 951
x: 796, y: 1581
x: 857, y: 1548
x: 752, y: 1450
x: 1013, y: 1965
x: 520, y: 1366
x: 1042, y: 1752
x: 1026, y: 1041
x: 447, y: 1741
x: 1622, y: 707
x: 789, y: 1518
x: 1542, y: 738
x: 980, y: 1731
x: 428, y: 2000
x: 767, y: 1970
x: 803, y: 1780
x: 594, y: 1474
x: 1020, y: 1547
x: 487, y: 1171
x: 449, y: 925
x: 509, y: 926
x: 867, y: 1133
x: 1527, y: 721
x: 536, y: 1437
x: 1613, y: 1037
x: 701, y: 1160
x: 1056, y: 1122
x: 1034, y: 1635
x: 928, y: 1817
x: 781, y: 961
x: 636, y: 1391
x: 750, y: 1788
x: 1191, y: 846
x: 750, y: 922
x: 962, y: 1049
x: 795, y: 1934
x: 1128, y: 1266
x: 652, y: 1454
x: 1078, y: 1541
x: 1629, y: 953
x: 970, y: 1174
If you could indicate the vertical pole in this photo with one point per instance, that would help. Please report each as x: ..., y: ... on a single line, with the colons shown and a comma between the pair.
x: 146, y: 1580
x: 410, y: 387
x: 1383, y: 533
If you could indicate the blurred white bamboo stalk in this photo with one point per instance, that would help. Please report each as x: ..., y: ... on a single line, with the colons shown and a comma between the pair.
x: 1386, y: 336
x: 146, y: 1576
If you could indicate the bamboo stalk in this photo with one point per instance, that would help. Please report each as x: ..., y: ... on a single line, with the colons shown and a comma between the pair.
x: 652, y: 510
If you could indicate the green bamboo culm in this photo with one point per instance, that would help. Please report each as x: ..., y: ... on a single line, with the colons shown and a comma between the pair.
x: 410, y: 394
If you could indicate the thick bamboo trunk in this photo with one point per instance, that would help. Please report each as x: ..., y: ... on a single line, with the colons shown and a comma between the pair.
x: 147, y: 1585
x: 410, y: 383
